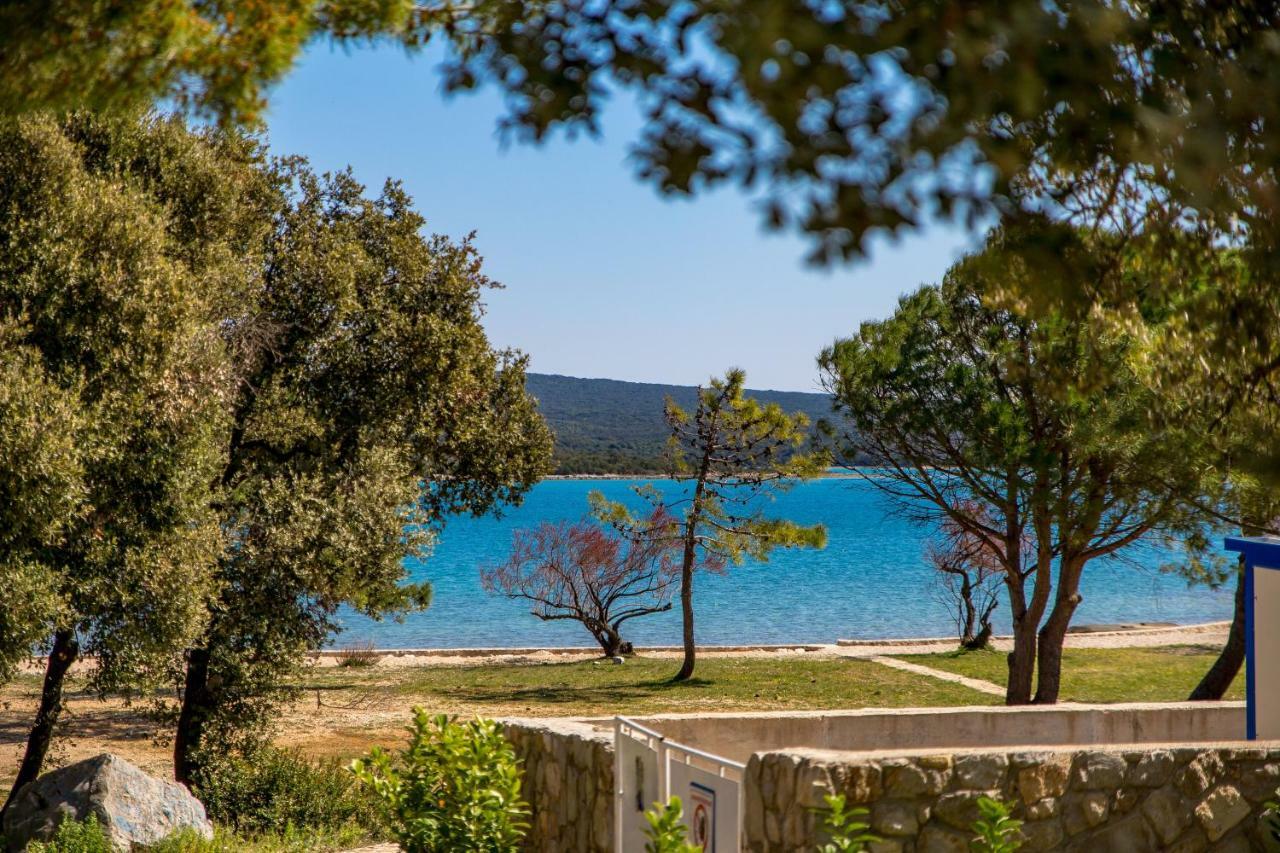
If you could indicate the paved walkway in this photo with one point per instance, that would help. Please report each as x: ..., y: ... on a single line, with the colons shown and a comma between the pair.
x: 972, y: 683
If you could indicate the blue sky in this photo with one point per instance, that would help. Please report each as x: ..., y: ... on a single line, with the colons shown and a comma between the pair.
x: 603, y: 276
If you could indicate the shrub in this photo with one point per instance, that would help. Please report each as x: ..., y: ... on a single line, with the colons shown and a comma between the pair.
x: 846, y: 829
x: 456, y: 787
x: 75, y: 836
x: 1271, y: 819
x: 665, y: 832
x: 289, y: 840
x: 997, y: 831
x: 358, y: 654
x: 271, y: 790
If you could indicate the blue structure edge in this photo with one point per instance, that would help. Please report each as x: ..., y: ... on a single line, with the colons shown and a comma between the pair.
x: 1258, y: 553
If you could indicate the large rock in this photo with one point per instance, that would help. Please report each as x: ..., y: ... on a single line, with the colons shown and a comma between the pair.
x: 134, y: 808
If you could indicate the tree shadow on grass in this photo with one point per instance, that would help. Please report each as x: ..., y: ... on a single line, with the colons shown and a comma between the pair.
x: 559, y: 691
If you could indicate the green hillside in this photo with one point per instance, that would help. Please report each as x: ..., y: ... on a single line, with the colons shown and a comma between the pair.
x: 604, y: 426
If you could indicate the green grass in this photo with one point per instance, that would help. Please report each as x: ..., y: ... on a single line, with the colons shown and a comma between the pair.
x: 642, y: 686
x: 1164, y: 674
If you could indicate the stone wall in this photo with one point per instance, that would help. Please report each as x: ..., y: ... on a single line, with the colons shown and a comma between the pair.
x: 738, y: 736
x: 1173, y: 798
x: 568, y: 783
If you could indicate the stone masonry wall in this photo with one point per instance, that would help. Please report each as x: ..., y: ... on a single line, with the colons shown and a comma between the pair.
x: 568, y: 783
x: 1183, y: 799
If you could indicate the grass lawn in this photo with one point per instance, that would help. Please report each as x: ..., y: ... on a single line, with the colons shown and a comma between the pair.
x: 343, y: 711
x: 1164, y: 674
x: 641, y: 686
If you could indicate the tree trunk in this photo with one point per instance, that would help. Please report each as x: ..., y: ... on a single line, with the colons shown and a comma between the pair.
x: 1224, y: 670
x: 1022, y: 659
x: 1054, y: 634
x: 983, y: 637
x: 686, y: 610
x: 970, y: 614
x: 610, y: 641
x: 61, y: 656
x: 197, y: 705
x: 1022, y: 664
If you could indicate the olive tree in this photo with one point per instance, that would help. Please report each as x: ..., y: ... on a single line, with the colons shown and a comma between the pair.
x: 112, y: 404
x: 1031, y: 437
x: 367, y: 407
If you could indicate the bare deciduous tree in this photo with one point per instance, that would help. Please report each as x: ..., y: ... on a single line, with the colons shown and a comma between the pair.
x: 590, y: 574
x: 969, y: 576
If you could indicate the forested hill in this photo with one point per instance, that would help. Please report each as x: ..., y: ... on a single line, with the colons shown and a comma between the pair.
x: 604, y: 426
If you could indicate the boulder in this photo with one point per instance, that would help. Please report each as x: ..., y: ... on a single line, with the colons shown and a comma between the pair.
x: 134, y: 808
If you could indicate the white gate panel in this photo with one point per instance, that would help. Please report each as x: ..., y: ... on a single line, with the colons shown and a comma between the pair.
x: 649, y: 769
x: 711, y: 802
x: 637, y: 782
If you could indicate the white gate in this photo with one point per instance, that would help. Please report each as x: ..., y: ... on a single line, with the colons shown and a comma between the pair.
x: 649, y: 769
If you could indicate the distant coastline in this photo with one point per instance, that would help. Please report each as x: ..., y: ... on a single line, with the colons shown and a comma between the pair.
x: 829, y: 475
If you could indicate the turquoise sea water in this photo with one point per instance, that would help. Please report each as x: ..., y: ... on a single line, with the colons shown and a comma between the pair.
x: 870, y: 581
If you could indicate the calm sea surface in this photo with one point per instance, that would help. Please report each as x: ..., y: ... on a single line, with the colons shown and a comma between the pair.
x: 870, y: 581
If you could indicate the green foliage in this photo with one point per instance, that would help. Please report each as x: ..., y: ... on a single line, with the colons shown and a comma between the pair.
x: 846, y: 829
x: 997, y: 832
x: 666, y: 832
x: 111, y: 408
x: 456, y: 787
x: 604, y: 426
x: 367, y: 408
x: 213, y: 59
x: 74, y: 836
x: 112, y: 413
x: 236, y: 397
x: 274, y: 789
x: 857, y: 118
x: 1271, y: 819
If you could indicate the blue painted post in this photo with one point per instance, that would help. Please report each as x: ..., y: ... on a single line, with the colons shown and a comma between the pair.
x: 1261, y: 553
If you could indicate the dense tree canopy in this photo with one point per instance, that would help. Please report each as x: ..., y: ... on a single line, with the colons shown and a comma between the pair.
x: 210, y: 58
x: 113, y: 400
x: 239, y: 396
x: 361, y: 373
x: 850, y: 116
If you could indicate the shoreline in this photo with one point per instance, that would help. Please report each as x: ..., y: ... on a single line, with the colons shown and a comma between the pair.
x: 1084, y: 636
x: 666, y: 475
x: 1132, y: 635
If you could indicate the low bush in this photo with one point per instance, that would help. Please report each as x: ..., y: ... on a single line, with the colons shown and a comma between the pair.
x: 89, y: 837
x: 456, y: 787
x: 274, y: 790
x: 846, y: 828
x: 289, y: 840
x: 997, y: 831
x: 359, y: 655
x: 666, y: 832
x: 75, y: 836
